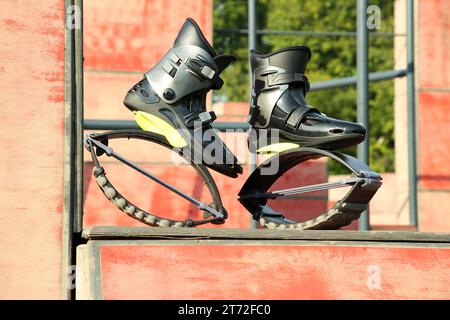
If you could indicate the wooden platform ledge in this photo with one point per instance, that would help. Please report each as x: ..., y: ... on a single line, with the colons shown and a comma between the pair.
x: 141, y: 233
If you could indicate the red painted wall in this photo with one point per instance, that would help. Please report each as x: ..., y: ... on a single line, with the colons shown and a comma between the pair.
x: 31, y: 144
x: 433, y: 85
x: 274, y: 271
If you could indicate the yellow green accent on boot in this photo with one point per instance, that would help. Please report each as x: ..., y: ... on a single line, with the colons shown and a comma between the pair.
x: 275, y: 148
x: 149, y: 122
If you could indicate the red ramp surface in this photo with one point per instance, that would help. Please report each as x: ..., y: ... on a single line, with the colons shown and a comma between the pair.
x: 263, y: 264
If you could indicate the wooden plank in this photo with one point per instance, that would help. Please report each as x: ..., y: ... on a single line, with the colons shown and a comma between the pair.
x: 278, y: 269
x: 88, y: 275
x: 328, y: 235
x: 68, y: 174
x: 392, y: 227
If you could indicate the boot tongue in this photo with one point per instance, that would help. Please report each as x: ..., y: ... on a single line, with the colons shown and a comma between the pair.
x: 291, y: 59
x: 223, y: 61
x: 190, y: 34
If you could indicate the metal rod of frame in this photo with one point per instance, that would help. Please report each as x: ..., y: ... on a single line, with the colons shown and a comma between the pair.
x: 362, y: 89
x: 244, y: 32
x: 347, y: 81
x: 252, y: 43
x: 411, y: 92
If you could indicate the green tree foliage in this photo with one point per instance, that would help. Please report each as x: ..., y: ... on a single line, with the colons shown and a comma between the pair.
x: 333, y: 57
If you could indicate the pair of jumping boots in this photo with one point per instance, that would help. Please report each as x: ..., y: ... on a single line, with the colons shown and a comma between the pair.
x: 169, y: 105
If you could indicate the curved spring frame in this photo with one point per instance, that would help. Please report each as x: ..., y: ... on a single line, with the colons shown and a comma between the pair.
x: 97, y: 144
x: 254, y: 193
x: 364, y: 184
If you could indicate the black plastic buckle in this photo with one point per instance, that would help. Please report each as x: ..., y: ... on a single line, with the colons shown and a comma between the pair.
x: 205, y: 72
x: 207, y: 117
x: 253, y: 114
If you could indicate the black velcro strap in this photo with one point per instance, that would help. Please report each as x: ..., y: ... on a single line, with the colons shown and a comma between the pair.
x: 298, y: 114
x: 276, y: 79
x: 205, y: 72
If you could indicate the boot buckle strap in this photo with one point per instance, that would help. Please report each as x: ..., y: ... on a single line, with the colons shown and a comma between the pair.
x: 298, y: 115
x: 276, y: 79
x: 203, y: 118
x: 208, y: 72
x: 207, y: 117
x: 204, y: 72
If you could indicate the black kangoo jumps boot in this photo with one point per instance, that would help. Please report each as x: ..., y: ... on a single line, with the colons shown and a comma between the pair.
x: 278, y: 103
x: 171, y: 99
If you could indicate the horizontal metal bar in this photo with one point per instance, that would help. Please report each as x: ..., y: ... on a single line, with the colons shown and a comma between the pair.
x: 343, y: 82
x: 101, y: 124
x: 97, y: 124
x: 308, y: 33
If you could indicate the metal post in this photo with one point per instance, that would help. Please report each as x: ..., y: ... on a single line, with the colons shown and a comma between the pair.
x: 252, y: 45
x: 78, y: 210
x: 69, y: 183
x: 362, y: 89
x: 411, y: 92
